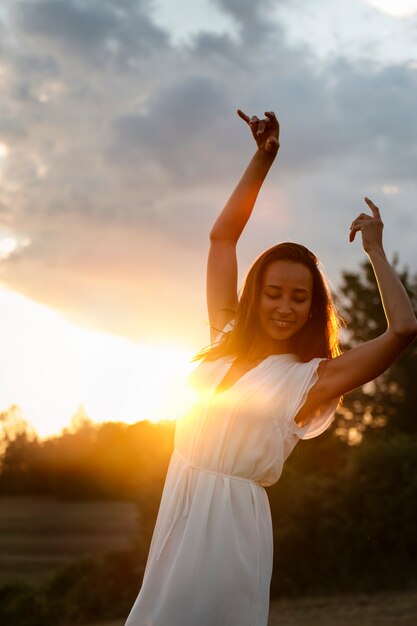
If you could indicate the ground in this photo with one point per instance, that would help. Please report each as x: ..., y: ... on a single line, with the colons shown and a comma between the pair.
x: 39, y: 535
x: 381, y: 609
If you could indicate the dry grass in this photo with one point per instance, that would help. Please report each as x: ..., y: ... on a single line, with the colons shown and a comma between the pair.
x: 382, y: 609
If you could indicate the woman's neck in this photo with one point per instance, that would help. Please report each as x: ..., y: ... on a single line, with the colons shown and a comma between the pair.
x: 262, y: 347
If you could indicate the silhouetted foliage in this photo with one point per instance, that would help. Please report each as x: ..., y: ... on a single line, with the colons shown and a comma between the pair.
x: 387, y: 405
x: 92, y: 590
x: 21, y: 605
x: 88, y: 590
x: 109, y: 460
x: 347, y: 526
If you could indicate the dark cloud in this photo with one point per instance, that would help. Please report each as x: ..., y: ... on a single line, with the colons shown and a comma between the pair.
x: 216, y: 49
x: 41, y: 66
x: 177, y: 116
x: 375, y: 111
x: 253, y: 18
x: 101, y: 31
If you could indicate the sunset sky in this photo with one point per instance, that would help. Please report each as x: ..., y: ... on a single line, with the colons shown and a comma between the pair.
x: 119, y: 144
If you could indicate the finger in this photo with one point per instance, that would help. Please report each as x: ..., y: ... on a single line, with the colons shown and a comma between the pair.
x: 373, y: 207
x: 271, y: 116
x: 243, y: 115
x: 362, y: 216
x: 352, y: 233
x: 261, y: 127
x: 361, y: 219
x: 253, y: 120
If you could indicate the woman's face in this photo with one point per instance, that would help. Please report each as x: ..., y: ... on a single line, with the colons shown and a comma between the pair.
x: 285, y: 301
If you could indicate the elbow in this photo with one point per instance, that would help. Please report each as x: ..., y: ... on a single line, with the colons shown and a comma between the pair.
x: 407, y: 333
x: 413, y: 332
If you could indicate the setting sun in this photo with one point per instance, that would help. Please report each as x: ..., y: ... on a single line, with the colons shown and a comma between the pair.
x: 50, y: 368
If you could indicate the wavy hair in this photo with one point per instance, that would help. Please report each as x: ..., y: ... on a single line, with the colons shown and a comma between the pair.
x: 319, y: 337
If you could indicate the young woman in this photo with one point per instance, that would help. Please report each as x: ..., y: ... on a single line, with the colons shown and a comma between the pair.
x: 272, y: 376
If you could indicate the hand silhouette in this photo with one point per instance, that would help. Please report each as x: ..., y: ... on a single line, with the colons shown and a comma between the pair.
x: 265, y: 131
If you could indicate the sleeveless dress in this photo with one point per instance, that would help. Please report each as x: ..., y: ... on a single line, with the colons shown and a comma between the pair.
x: 210, y: 559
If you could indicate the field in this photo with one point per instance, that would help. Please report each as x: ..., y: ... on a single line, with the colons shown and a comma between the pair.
x: 38, y: 535
x: 387, y: 609
x: 382, y: 609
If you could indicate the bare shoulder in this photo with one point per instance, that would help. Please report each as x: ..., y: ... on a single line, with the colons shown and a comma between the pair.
x: 316, y: 395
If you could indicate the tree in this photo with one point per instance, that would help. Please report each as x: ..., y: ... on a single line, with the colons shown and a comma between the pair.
x: 388, y: 401
x: 13, y: 425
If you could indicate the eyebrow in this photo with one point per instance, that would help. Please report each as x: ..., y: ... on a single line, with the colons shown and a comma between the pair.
x: 295, y: 289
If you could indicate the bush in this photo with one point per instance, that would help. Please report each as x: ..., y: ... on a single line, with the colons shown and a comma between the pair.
x: 92, y: 590
x: 352, y: 528
x: 21, y: 605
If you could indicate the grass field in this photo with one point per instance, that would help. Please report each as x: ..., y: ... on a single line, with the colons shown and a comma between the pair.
x: 39, y: 535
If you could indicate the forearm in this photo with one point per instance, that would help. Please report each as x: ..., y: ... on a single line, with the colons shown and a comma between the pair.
x: 397, y: 306
x: 233, y: 218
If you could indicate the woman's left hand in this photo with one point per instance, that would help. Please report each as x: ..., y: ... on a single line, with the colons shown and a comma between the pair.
x: 265, y: 131
x: 370, y: 227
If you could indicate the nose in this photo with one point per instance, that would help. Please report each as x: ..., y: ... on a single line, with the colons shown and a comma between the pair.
x: 283, y: 308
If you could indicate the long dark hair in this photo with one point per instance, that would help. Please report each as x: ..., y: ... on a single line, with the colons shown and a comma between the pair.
x: 319, y: 337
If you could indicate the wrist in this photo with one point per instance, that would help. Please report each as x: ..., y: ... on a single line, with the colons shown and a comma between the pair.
x: 375, y: 250
x: 263, y: 156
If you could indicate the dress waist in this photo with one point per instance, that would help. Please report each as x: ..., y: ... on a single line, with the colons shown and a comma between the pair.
x: 210, y: 471
x: 184, y: 497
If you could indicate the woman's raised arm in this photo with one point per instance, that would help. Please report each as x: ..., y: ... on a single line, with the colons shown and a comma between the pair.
x: 367, y: 361
x: 222, y: 296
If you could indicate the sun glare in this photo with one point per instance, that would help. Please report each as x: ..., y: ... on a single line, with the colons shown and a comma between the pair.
x: 10, y: 243
x: 7, y: 246
x: 50, y: 368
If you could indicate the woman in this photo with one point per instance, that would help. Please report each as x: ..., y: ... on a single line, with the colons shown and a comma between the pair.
x: 273, y: 375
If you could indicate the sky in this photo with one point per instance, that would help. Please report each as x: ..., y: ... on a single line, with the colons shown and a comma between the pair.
x: 120, y: 144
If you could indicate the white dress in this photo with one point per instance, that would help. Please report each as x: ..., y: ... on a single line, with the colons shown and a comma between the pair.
x: 210, y: 559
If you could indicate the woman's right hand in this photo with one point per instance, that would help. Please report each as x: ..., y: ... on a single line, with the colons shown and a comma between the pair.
x: 370, y: 226
x: 265, y: 131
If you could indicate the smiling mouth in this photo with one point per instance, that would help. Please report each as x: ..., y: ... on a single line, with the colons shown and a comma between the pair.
x: 281, y: 323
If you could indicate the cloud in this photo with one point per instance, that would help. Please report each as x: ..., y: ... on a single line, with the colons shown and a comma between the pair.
x: 175, y: 129
x: 122, y: 148
x: 253, y: 19
x: 101, y: 31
